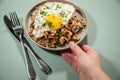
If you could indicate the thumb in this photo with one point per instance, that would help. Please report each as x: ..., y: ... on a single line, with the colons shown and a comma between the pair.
x: 76, y: 49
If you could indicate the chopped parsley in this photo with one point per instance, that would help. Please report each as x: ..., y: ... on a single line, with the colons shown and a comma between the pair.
x: 43, y: 24
x: 75, y: 40
x: 43, y: 13
x: 62, y: 14
x: 47, y: 7
x: 62, y: 25
x: 60, y: 33
x: 58, y: 6
x: 84, y: 25
x: 49, y: 24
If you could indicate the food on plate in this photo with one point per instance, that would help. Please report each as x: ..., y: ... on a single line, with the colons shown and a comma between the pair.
x: 53, y: 24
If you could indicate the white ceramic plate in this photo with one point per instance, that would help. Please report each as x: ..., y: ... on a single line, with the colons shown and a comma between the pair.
x: 78, y: 12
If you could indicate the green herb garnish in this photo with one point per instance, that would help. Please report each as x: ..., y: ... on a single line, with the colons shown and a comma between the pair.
x: 47, y: 7
x: 43, y: 24
x: 62, y: 14
x: 62, y: 25
x: 75, y: 40
x: 60, y: 33
x: 43, y: 13
x: 49, y: 23
x: 58, y: 6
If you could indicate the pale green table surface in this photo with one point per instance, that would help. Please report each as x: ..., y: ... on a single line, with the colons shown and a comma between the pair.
x: 103, y: 35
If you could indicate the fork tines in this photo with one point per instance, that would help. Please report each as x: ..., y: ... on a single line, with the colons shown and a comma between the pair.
x: 14, y: 18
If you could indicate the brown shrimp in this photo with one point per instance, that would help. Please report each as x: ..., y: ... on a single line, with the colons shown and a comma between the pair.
x: 76, y: 37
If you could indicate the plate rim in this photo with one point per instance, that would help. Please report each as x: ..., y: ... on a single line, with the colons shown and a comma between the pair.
x: 78, y: 8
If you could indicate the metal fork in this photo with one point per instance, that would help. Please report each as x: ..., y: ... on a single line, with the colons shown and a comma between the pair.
x: 19, y: 33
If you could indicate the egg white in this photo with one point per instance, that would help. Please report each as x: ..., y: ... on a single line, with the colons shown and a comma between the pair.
x: 65, y: 11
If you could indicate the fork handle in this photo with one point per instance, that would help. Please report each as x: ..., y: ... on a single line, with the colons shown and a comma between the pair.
x: 30, y: 70
x: 42, y: 65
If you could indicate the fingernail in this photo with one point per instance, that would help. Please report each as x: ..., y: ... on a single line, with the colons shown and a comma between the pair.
x: 71, y: 44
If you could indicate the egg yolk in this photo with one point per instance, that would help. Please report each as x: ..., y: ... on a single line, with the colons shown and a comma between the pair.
x: 53, y: 21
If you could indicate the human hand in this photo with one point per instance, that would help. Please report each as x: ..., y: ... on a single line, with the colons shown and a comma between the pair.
x: 83, y: 59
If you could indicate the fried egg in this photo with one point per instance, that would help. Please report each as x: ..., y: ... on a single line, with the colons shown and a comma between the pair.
x: 50, y: 17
